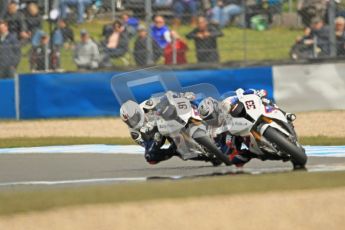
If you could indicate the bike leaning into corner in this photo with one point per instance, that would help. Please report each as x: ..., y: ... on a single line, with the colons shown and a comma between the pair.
x: 269, y: 134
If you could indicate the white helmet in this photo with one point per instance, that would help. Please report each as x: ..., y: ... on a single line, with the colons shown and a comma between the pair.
x: 209, y: 110
x: 132, y: 114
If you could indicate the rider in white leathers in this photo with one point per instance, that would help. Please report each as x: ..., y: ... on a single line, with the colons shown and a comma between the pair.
x: 143, y: 130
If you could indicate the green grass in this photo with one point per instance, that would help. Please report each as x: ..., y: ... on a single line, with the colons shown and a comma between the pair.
x: 49, y: 141
x: 236, y: 45
x: 15, y: 201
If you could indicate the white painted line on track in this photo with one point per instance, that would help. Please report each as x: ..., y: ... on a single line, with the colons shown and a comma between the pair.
x: 70, y: 149
x: 316, y: 151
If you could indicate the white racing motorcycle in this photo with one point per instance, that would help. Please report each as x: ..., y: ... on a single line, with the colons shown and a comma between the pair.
x: 177, y: 119
x: 268, y: 130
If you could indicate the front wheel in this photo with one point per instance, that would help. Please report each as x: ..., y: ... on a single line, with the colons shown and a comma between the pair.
x: 298, y: 156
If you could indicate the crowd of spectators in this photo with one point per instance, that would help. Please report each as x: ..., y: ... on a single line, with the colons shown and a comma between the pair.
x: 315, y: 42
x: 22, y: 26
x: 21, y: 23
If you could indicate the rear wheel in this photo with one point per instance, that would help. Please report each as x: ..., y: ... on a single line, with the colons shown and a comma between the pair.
x: 298, y: 156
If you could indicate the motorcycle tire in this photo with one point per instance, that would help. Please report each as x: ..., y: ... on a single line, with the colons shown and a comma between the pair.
x: 212, y: 148
x: 298, y: 156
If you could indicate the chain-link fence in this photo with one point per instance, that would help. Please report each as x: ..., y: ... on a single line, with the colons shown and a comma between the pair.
x: 67, y: 35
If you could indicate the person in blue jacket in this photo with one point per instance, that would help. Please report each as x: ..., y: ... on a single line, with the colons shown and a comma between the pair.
x: 160, y: 32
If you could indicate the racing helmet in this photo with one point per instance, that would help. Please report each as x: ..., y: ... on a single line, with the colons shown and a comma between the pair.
x: 209, y: 111
x: 132, y: 114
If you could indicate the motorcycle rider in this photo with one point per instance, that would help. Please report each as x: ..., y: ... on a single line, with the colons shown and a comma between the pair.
x: 144, y: 132
x: 214, y: 114
x: 143, y: 129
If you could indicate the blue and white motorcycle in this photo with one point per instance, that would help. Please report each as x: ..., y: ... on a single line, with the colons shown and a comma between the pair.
x: 265, y: 127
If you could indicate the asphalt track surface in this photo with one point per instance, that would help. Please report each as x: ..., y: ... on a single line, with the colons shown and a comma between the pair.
x: 30, y: 170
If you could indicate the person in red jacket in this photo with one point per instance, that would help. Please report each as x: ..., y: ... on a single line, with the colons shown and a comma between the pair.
x: 175, y: 51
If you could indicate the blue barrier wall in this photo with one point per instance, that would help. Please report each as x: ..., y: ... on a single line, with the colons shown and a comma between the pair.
x: 89, y: 94
x: 7, y: 103
x: 66, y: 95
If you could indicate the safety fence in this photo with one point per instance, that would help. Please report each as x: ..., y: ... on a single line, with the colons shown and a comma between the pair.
x: 60, y: 35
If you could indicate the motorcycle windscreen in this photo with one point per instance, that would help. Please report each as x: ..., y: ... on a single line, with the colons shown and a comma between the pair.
x: 140, y: 85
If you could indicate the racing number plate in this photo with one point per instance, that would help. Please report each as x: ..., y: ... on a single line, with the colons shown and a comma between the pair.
x: 250, y: 104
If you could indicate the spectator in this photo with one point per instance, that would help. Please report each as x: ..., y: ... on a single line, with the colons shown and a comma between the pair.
x: 303, y: 48
x: 315, y: 42
x: 340, y: 35
x: 79, y: 4
x: 175, y: 52
x: 16, y: 21
x: 34, y: 23
x: 39, y: 55
x: 205, y: 38
x: 309, y: 9
x: 130, y: 23
x: 116, y: 45
x: 9, y: 51
x: 225, y: 11
x: 140, y: 48
x: 86, y: 54
x: 320, y: 33
x: 160, y: 32
x: 181, y: 6
x: 62, y: 35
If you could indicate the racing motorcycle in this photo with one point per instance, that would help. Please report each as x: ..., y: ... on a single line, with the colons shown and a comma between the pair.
x: 178, y: 120
x: 265, y: 127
